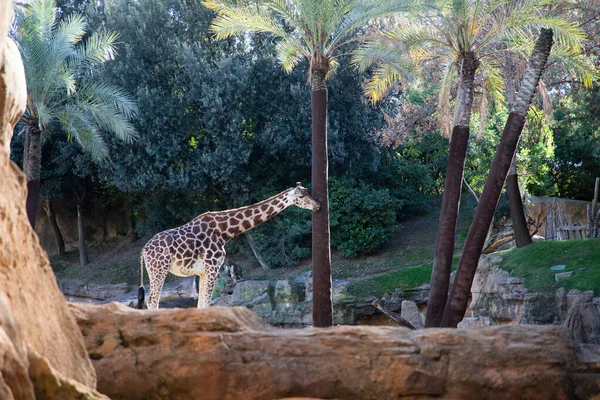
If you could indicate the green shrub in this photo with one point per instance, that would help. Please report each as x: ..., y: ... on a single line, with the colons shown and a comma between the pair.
x: 361, y: 216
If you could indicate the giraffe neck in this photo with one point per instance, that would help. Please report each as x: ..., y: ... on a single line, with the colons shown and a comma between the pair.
x: 231, y: 223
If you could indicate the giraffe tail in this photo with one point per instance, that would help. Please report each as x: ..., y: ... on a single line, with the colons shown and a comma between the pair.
x: 141, y: 292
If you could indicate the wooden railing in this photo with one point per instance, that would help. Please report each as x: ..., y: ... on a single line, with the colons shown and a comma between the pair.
x: 571, y: 232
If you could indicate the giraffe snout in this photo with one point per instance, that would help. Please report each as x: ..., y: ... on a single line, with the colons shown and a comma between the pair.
x: 315, y: 206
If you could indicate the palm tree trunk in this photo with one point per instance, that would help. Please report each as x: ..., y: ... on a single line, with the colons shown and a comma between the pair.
x: 461, y: 289
x: 321, y: 253
x: 32, y: 166
x: 83, y: 257
x: 444, y: 246
x: 58, y: 238
x: 517, y: 213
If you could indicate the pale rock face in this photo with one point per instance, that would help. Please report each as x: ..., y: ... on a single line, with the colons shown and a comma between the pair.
x: 505, y: 300
x: 35, y: 323
x: 13, y: 92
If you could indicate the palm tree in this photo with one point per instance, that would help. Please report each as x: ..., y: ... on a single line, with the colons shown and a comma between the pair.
x: 461, y: 289
x: 466, y: 37
x: 568, y: 58
x: 315, y: 30
x: 61, y: 92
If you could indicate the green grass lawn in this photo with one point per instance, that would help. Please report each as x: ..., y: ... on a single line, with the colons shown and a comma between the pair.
x: 533, y: 263
x: 406, y: 278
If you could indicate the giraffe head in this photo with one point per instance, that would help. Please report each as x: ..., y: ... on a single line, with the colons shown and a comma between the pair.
x: 302, y: 198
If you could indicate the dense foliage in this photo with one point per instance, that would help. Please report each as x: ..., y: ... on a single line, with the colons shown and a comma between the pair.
x: 221, y: 125
x: 577, y: 136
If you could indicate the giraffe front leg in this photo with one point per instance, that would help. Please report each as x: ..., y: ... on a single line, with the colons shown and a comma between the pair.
x: 210, y: 278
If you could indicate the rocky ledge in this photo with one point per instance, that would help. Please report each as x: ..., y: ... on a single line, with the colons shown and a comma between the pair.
x: 230, y: 353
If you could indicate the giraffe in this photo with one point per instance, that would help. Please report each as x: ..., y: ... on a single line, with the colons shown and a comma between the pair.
x: 198, y: 247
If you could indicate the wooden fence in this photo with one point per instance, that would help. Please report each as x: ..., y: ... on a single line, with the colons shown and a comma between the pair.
x: 571, y: 232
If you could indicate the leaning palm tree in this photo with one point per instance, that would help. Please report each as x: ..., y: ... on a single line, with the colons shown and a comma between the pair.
x: 458, y: 298
x: 467, y: 38
x: 61, y: 92
x: 315, y: 30
x: 570, y: 61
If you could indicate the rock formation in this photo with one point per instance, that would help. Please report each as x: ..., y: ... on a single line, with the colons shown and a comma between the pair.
x: 229, y: 353
x: 505, y: 299
x: 42, y: 351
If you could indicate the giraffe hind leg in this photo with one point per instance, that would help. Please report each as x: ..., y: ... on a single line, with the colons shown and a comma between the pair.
x: 158, y: 273
x: 201, y: 290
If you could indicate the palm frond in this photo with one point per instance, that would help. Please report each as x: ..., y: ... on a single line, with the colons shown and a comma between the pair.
x: 78, y: 127
x: 109, y: 107
x: 382, y: 80
x: 289, y: 53
x: 574, y: 64
x: 42, y: 14
x: 98, y: 48
x: 484, y: 110
x: 546, y: 100
x: 492, y: 92
x: 71, y: 29
x: 448, y: 82
x: 419, y: 35
x: 360, y: 12
x: 245, y: 18
x: 334, y: 64
x: 381, y: 52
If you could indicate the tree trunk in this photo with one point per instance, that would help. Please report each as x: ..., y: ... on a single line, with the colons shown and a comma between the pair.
x: 517, y: 213
x: 321, y: 253
x: 58, y: 238
x: 83, y: 257
x: 263, y: 264
x: 32, y: 166
x: 444, y: 247
x: 461, y: 289
x: 519, y: 223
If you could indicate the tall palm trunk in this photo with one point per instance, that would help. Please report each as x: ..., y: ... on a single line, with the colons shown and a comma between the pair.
x: 321, y: 254
x: 32, y: 166
x: 83, y: 257
x: 58, y: 238
x: 444, y: 247
x: 461, y: 289
x: 517, y: 214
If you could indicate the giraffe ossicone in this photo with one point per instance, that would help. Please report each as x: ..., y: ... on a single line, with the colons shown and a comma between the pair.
x: 198, y: 247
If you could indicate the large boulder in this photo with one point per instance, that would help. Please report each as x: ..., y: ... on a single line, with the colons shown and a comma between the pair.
x: 229, y: 353
x: 41, y: 347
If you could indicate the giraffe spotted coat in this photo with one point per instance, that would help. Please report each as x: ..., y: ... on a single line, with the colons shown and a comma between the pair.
x: 198, y: 247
